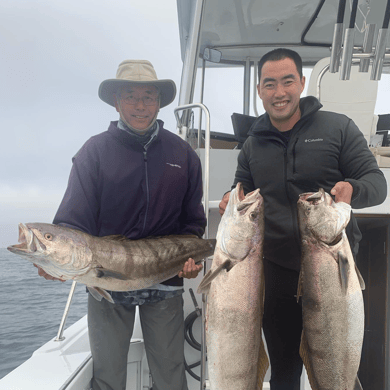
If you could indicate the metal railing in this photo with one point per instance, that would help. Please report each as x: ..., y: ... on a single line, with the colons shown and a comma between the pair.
x: 206, y: 191
x: 60, y: 333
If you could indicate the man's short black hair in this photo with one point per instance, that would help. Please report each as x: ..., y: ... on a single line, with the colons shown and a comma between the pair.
x: 281, y: 54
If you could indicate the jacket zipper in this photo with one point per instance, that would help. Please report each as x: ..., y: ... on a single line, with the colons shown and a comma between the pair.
x: 294, y: 220
x: 146, y: 147
x: 147, y: 189
x: 293, y: 152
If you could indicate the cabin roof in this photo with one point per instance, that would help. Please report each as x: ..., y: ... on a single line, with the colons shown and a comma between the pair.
x: 250, y: 28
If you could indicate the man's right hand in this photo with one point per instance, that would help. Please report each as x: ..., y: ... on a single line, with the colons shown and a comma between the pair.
x: 223, y: 203
x: 45, y: 275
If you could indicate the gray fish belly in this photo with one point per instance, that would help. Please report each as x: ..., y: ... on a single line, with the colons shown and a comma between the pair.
x: 233, y: 327
x: 333, y: 321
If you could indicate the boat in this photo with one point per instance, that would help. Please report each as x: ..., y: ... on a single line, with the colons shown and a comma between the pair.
x: 344, y: 46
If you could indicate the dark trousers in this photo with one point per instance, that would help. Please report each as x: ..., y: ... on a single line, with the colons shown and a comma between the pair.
x: 282, y: 325
x: 110, y: 330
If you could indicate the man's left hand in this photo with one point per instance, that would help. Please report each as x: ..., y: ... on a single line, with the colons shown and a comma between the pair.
x: 342, y: 192
x: 190, y: 269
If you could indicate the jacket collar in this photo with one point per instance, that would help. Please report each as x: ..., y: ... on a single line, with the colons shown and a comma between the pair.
x: 308, y: 106
x: 126, y: 138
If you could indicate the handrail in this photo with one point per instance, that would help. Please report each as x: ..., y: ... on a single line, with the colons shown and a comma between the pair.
x: 206, y: 206
x: 60, y: 336
x: 207, y: 152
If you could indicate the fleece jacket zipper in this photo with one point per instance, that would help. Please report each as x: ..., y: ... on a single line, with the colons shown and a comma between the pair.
x: 147, y: 181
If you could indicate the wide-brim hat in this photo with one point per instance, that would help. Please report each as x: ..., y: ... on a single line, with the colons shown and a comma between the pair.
x: 137, y: 72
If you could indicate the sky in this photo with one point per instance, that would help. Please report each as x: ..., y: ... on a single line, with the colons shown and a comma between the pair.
x: 53, y: 56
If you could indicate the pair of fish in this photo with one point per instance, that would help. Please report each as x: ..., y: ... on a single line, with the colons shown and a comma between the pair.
x: 330, y: 285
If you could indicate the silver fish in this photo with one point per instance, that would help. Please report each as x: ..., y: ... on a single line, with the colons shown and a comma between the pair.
x: 107, y: 263
x: 331, y: 289
x: 235, y: 286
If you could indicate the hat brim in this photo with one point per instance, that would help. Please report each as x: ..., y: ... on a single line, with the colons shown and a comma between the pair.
x: 108, y: 88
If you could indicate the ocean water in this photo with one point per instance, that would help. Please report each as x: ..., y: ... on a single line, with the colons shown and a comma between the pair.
x: 31, y: 309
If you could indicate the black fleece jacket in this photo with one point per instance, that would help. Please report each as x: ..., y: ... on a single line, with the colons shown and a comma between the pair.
x: 324, y: 148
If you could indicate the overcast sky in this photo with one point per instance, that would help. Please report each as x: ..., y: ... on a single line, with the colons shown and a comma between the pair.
x: 53, y: 56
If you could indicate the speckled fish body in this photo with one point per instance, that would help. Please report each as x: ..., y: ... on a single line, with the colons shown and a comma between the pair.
x: 235, y: 293
x: 331, y: 290
x: 107, y: 263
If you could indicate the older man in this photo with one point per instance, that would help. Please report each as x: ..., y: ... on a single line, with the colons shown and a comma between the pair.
x: 137, y: 179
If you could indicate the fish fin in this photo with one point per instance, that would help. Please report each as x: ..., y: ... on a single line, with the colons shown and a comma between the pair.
x: 262, y: 366
x: 344, y: 271
x: 204, y: 285
x: 106, y: 273
x: 358, y: 385
x: 98, y: 293
x: 305, y: 355
x: 360, y: 277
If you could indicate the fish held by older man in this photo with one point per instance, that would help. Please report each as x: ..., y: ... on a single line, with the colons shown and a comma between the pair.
x: 107, y: 263
x: 331, y: 289
x: 235, y: 294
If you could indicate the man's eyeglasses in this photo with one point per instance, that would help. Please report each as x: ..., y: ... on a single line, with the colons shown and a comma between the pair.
x: 132, y: 100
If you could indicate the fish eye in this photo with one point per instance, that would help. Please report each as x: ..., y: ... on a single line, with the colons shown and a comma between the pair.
x: 253, y: 215
x: 48, y: 236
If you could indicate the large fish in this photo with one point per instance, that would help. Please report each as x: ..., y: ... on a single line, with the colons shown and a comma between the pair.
x: 235, y: 286
x: 107, y: 263
x: 331, y: 289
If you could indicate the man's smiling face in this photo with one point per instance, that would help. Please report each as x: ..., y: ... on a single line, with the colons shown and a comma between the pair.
x: 280, y: 89
x: 138, y: 105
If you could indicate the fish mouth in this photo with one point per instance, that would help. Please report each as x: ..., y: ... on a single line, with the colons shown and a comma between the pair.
x: 239, y: 208
x: 28, y: 242
x: 327, y: 226
x: 315, y: 198
x: 244, y: 201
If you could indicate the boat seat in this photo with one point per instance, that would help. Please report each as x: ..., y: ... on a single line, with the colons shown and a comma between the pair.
x: 241, y: 126
x: 355, y: 97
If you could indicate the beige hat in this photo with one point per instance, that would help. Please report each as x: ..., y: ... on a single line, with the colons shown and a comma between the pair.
x: 137, y: 72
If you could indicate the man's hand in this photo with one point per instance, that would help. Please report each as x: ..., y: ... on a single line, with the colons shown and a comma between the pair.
x: 45, y: 275
x: 190, y: 269
x: 342, y: 192
x: 223, y: 203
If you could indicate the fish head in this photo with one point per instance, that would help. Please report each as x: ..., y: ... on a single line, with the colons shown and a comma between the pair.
x: 61, y: 252
x: 322, y: 217
x: 242, y: 225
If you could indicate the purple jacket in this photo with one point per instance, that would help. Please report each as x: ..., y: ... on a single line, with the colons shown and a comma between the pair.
x: 116, y: 187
